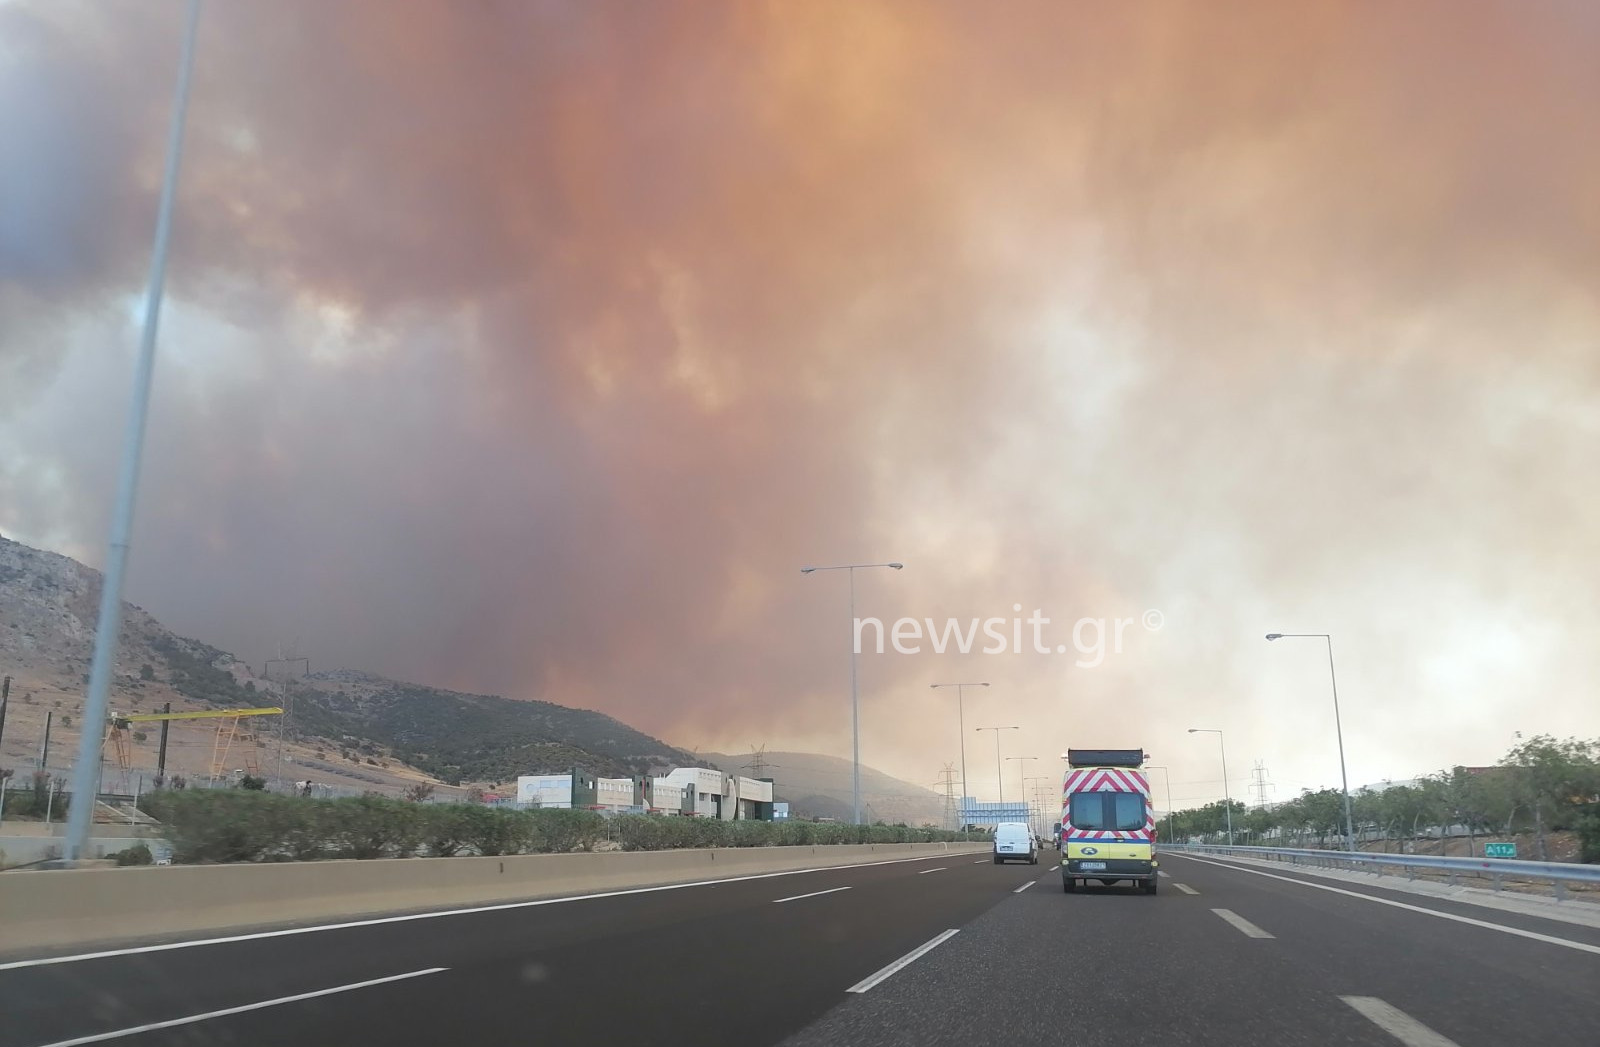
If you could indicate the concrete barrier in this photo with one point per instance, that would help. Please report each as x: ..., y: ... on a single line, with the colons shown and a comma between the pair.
x: 62, y: 908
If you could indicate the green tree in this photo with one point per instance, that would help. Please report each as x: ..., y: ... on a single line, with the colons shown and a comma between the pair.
x: 1552, y: 779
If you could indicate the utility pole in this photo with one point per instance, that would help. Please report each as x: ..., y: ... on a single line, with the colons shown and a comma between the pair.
x: 5, y: 700
x: 947, y: 778
x: 44, y: 745
x: 161, y: 754
x: 283, y: 697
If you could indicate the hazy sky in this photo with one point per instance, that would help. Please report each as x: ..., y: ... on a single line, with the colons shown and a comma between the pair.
x: 533, y: 348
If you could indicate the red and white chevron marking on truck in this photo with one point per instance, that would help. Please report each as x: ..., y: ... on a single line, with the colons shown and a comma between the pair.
x: 1112, y: 780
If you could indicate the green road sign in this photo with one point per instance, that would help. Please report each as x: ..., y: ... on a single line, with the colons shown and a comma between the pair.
x: 1499, y: 850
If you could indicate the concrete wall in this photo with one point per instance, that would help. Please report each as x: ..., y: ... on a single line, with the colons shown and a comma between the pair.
x: 58, y: 909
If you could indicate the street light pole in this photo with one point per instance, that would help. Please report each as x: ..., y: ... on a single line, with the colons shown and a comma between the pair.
x: 1166, y: 775
x: 1020, y: 778
x: 86, y: 772
x: 1227, y: 798
x: 855, y: 697
x: 1038, y: 799
x: 999, y: 766
x: 961, y: 726
x: 1338, y: 729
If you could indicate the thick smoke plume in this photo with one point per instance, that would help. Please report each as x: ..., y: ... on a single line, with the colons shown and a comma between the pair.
x: 532, y: 348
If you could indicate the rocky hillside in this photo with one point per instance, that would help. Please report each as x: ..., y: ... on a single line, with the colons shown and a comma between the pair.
x: 818, y: 786
x: 347, y: 728
x: 48, y: 607
x: 472, y: 737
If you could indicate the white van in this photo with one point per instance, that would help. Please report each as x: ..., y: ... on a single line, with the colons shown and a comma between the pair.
x: 1014, y: 840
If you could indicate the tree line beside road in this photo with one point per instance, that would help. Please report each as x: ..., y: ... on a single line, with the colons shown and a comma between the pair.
x: 237, y: 825
x: 1541, y: 785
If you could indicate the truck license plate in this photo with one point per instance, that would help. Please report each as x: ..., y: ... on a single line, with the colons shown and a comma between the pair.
x: 1092, y: 866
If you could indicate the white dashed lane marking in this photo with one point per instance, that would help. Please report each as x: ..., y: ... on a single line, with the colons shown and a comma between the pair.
x: 1397, y: 1023
x: 1244, y: 926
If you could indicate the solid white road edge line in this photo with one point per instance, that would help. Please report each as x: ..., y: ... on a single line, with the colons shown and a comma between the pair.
x: 1248, y: 929
x: 1397, y: 1023
x: 1025, y: 886
x: 813, y: 894
x: 116, y: 1034
x: 1549, y: 939
x: 905, y: 961
x: 432, y: 914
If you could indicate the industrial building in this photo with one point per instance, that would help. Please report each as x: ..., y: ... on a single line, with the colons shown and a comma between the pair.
x: 691, y: 791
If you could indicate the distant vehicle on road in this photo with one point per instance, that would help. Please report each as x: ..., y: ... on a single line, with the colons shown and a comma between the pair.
x: 1108, y: 826
x: 1014, y: 841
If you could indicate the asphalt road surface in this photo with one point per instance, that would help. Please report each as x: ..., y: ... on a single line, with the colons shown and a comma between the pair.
x: 948, y: 950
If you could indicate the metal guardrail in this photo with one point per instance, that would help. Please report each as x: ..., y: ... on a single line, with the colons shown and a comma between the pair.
x: 1497, y: 870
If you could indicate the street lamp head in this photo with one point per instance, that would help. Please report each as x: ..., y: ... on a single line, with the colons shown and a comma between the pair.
x: 807, y: 570
x: 983, y: 685
x: 897, y: 566
x: 1194, y: 730
x: 1274, y: 636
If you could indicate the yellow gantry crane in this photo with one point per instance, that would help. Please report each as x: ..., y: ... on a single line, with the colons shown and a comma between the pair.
x: 227, y: 730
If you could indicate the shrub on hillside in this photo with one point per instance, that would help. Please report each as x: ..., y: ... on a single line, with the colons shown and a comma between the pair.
x: 496, y: 830
x: 445, y: 828
x: 560, y: 832
x: 138, y: 854
x: 217, y: 825
x: 374, y: 827
x: 35, y: 801
x: 1588, y: 825
x: 235, y: 825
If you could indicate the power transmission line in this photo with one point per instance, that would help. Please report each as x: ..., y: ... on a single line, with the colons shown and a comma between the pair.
x: 1261, y: 783
x: 949, y: 778
x: 759, y: 764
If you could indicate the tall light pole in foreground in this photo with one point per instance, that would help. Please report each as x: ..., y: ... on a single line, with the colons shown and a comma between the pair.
x: 999, y: 765
x: 1227, y: 800
x: 855, y: 698
x: 961, y: 726
x: 86, y: 772
x: 1344, y: 779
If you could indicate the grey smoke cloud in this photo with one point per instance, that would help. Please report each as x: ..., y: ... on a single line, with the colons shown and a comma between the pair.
x: 532, y: 348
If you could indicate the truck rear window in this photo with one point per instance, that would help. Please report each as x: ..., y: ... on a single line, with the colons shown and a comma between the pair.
x: 1113, y: 812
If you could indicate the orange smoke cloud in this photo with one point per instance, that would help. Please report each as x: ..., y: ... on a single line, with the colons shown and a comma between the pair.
x: 542, y: 343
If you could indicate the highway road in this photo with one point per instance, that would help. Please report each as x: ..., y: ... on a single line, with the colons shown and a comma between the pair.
x: 946, y: 950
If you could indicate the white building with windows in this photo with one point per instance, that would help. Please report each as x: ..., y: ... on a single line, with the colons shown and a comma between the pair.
x: 723, y: 796
x: 613, y: 792
x: 545, y: 790
x: 699, y: 791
